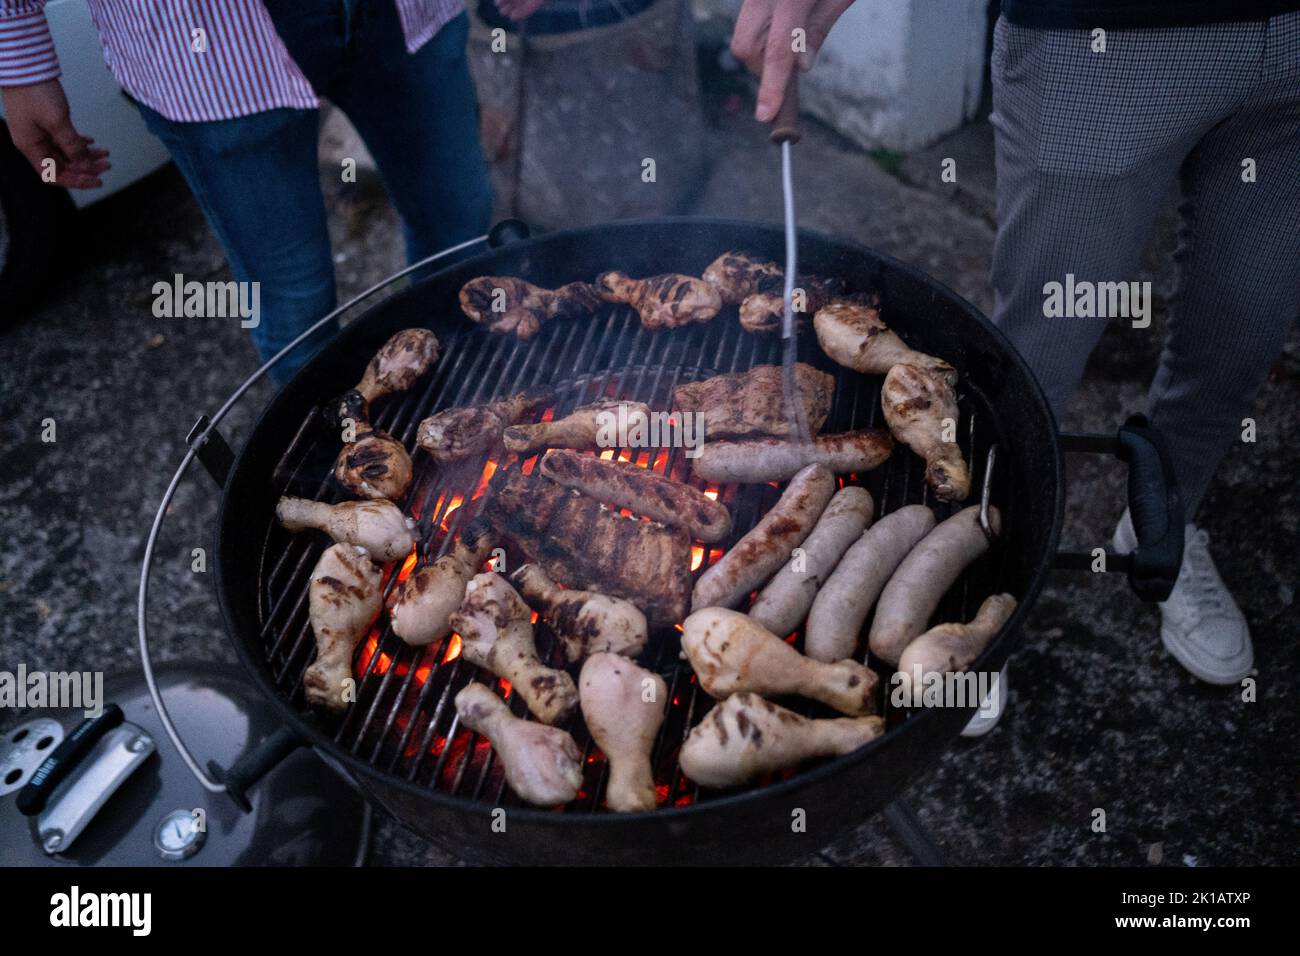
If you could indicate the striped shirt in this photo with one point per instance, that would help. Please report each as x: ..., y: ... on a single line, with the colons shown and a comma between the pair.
x: 191, y: 60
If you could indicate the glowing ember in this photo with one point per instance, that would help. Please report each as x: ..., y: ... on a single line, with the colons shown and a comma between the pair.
x: 488, y: 471
x: 711, y: 492
x: 607, y: 455
x: 533, y: 620
x: 407, y: 566
x: 505, y: 686
x: 548, y: 415
x: 529, y: 465
x: 697, y: 557
x: 368, y: 651
x: 456, y: 502
x: 453, y: 649
x: 661, y: 462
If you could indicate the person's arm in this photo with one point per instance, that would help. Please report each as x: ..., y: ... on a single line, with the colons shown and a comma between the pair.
x: 764, y: 41
x: 35, y: 108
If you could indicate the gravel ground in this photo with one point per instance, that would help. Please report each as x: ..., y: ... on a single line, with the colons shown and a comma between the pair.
x: 1100, y: 717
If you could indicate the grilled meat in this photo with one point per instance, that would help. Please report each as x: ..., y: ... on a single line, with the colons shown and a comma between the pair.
x: 951, y: 647
x: 775, y: 459
x: 751, y: 404
x: 738, y: 275
x: 852, y: 333
x: 768, y: 545
x: 582, y: 544
x: 344, y: 599
x: 497, y: 633
x: 376, y: 465
x: 428, y: 598
x: 399, y: 363
x: 378, y: 526
x: 584, y: 621
x: 920, y: 406
x: 623, y: 707
x: 506, y: 304
x: 763, y: 311
x: 543, y: 764
x: 731, y: 653
x: 656, y: 496
x: 588, y: 426
x: 663, y: 302
x: 397, y: 366
x: 759, y: 289
x: 746, y: 736
x: 459, y: 433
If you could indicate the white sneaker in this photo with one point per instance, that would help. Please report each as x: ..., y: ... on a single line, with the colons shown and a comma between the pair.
x: 1201, y: 625
x: 991, y: 708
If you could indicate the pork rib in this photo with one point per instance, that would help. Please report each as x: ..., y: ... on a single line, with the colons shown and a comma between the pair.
x: 582, y: 544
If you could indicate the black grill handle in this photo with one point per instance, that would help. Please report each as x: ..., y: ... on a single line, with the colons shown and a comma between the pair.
x: 1155, y: 505
x: 255, y: 764
x: 33, y: 797
x: 508, y: 231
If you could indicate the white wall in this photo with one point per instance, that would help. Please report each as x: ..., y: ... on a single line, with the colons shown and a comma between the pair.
x: 897, y: 74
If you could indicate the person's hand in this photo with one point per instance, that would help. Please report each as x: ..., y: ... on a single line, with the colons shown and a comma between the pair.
x: 42, y: 129
x: 763, y: 41
x: 518, y: 9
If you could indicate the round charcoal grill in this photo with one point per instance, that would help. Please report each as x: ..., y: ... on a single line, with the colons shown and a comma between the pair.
x: 401, y: 739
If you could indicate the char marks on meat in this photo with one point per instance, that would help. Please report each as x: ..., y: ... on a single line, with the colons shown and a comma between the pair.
x: 582, y: 544
x: 750, y: 404
x: 510, y: 305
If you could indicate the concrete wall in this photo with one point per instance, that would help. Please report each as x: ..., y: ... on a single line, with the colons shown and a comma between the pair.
x: 897, y: 74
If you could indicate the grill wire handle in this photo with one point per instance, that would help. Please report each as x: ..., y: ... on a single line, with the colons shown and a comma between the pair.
x: 790, y: 341
x: 196, y: 441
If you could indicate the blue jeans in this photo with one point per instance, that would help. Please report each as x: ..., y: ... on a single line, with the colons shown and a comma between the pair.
x: 257, y: 177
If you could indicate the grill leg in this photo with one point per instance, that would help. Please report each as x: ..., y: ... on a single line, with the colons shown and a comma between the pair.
x: 913, y: 835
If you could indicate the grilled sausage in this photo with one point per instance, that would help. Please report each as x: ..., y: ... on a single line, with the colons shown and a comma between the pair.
x: 781, y: 605
x: 771, y: 459
x: 758, y: 555
x: 913, y: 593
x: 640, y: 490
x: 843, y: 602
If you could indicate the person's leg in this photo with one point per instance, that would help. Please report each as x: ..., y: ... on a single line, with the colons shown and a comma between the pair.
x: 1082, y: 168
x: 1239, y: 295
x: 256, y: 179
x: 1239, y: 292
x: 418, y: 115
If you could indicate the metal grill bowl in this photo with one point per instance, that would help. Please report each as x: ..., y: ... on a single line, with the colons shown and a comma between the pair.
x: 400, y: 739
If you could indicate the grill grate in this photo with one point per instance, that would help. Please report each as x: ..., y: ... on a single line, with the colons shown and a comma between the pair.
x: 404, y: 720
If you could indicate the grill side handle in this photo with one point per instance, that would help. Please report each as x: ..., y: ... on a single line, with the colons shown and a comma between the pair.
x: 1155, y: 505
x: 506, y: 232
x: 254, y: 764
